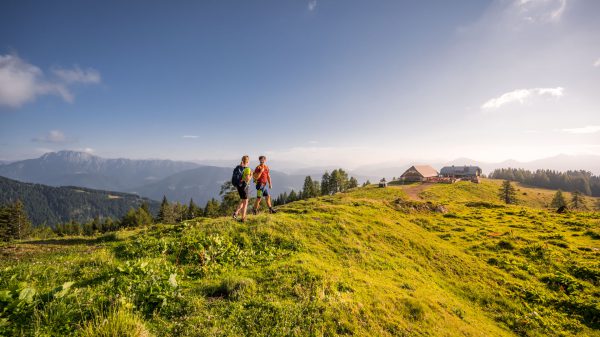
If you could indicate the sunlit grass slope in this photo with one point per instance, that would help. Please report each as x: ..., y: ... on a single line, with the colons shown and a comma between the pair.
x: 370, y: 262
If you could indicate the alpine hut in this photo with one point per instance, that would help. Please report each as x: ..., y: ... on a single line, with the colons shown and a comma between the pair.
x: 419, y: 173
x: 470, y: 173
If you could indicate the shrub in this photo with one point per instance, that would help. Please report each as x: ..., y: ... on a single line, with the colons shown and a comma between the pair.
x: 414, y: 309
x: 503, y: 244
x: 117, y: 322
x: 232, y: 287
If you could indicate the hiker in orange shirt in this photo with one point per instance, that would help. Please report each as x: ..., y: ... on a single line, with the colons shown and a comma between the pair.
x: 262, y: 177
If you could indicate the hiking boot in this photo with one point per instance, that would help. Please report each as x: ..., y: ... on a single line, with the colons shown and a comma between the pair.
x: 272, y: 211
x: 254, y: 211
x: 234, y: 216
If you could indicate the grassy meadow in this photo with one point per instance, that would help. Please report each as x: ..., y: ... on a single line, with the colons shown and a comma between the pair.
x: 432, y: 260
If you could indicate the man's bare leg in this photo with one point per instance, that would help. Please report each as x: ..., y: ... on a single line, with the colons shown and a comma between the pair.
x: 257, y: 204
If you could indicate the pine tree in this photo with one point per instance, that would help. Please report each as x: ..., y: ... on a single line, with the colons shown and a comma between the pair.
x: 211, y: 210
x: 507, y: 193
x: 193, y: 210
x: 352, y: 183
x: 308, y: 188
x: 325, y: 190
x: 166, y: 213
x: 179, y: 211
x: 19, y: 224
x: 334, y: 182
x: 559, y: 200
x: 292, y: 196
x: 164, y: 205
x: 4, y: 224
x: 577, y: 201
x: 316, y: 188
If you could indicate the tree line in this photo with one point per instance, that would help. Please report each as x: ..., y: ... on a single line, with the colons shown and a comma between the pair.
x: 571, y: 181
x: 16, y: 224
x: 331, y: 183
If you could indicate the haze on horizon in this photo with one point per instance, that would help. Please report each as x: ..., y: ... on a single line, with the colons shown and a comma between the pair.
x: 318, y: 82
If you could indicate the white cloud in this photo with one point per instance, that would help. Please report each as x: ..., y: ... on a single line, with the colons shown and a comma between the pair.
x: 597, y: 63
x: 312, y: 5
x: 77, y: 75
x: 189, y: 136
x: 583, y: 130
x: 520, y: 95
x: 22, y: 82
x: 85, y: 149
x: 541, y: 10
x: 53, y: 137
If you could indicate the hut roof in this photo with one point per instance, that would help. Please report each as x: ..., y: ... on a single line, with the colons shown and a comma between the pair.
x: 425, y: 170
x: 460, y: 170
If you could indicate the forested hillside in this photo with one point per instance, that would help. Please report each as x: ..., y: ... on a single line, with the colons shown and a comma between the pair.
x: 51, y: 205
x: 582, y: 181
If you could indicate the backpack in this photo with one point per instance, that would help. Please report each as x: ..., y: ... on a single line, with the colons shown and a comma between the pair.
x: 236, y: 177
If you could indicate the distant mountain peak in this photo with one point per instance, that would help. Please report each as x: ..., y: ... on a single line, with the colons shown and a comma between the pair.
x: 68, y: 155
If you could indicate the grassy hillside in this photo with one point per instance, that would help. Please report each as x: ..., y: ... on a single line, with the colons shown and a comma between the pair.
x: 442, y: 260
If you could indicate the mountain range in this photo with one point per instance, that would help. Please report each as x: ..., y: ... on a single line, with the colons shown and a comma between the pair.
x: 177, y: 180
x: 87, y: 170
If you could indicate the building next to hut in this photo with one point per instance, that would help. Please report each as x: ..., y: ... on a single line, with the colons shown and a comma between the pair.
x: 419, y: 173
x: 469, y: 172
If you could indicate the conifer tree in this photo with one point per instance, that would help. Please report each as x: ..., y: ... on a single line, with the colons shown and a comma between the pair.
x: 166, y: 213
x: 292, y: 196
x: 559, y: 200
x: 19, y: 224
x: 308, y: 188
x: 316, y: 188
x: 211, y: 210
x: 4, y: 224
x: 577, y: 201
x: 352, y: 183
x: 325, y: 190
x: 193, y: 210
x: 507, y: 193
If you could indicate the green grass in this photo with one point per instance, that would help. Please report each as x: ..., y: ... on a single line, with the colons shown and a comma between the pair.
x: 368, y: 262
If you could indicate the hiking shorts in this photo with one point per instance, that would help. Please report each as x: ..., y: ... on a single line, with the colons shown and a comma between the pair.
x: 262, y: 190
x: 243, y: 190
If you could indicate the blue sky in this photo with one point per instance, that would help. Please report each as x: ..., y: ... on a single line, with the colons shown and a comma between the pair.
x: 322, y: 82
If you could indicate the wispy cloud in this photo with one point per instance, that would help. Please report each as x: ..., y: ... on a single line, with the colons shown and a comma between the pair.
x: 597, y: 63
x: 53, y: 137
x: 541, y: 10
x: 22, y: 82
x: 312, y: 5
x: 520, y: 95
x: 189, y: 137
x: 77, y: 75
x: 583, y: 130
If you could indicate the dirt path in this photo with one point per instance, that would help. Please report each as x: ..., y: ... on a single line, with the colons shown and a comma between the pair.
x: 413, y: 190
